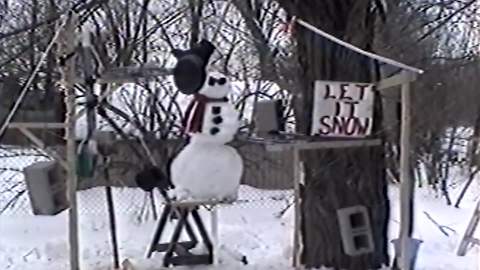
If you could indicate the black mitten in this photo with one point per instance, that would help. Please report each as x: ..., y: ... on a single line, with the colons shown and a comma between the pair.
x: 152, y: 177
x: 189, y: 74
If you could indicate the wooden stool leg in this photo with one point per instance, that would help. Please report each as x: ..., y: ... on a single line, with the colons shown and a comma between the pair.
x: 176, y: 235
x: 191, y: 233
x: 214, y: 234
x: 161, y: 226
x: 203, y: 233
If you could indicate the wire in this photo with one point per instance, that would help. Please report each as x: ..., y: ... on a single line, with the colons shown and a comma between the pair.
x: 356, y: 49
x: 24, y: 91
x: 77, y: 8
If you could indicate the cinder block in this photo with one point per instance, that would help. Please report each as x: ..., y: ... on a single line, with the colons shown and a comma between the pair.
x: 46, y: 188
x: 355, y: 230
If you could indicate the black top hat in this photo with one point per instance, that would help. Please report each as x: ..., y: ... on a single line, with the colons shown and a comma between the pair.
x: 189, y: 74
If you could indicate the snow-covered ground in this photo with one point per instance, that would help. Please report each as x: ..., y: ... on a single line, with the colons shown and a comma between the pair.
x: 437, y: 252
x: 252, y: 227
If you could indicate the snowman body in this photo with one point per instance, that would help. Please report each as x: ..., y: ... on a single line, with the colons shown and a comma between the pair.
x: 207, y: 168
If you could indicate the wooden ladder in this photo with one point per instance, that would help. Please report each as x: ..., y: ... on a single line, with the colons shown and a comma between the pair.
x: 468, y: 238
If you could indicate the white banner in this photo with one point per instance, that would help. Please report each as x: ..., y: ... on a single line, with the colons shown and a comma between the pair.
x: 342, y: 109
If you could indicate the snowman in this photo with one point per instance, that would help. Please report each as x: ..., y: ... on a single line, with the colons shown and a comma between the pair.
x: 206, y: 168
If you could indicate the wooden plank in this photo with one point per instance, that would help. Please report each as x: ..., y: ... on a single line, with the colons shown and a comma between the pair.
x: 407, y: 186
x: 39, y: 125
x: 297, y: 221
x: 195, y: 203
x: 305, y: 145
x: 182, y: 250
x: 214, y: 233
x: 159, y: 230
x: 190, y: 260
x: 185, y: 244
x: 67, y: 45
x: 396, y: 80
x: 39, y: 143
x: 474, y: 241
x: 132, y: 74
x: 472, y: 225
x: 175, y: 237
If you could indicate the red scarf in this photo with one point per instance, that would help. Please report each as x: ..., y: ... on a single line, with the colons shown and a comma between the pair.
x: 192, y: 123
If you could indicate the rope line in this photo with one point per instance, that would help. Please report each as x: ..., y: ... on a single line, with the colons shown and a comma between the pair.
x: 24, y: 91
x: 356, y: 49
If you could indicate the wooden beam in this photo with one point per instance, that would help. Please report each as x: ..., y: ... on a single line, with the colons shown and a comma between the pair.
x: 35, y: 125
x: 305, y: 145
x: 195, y: 203
x: 297, y: 218
x: 39, y: 143
x: 407, y: 185
x: 474, y: 241
x: 132, y: 74
x: 215, y: 237
x: 67, y: 45
x: 469, y: 232
x: 396, y: 80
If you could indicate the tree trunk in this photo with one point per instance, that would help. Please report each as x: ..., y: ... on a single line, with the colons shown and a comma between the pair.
x: 338, y: 178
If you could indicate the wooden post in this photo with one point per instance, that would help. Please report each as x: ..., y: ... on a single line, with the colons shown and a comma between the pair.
x: 468, y: 236
x: 111, y: 214
x: 215, y: 237
x: 407, y: 185
x: 297, y: 219
x: 67, y: 46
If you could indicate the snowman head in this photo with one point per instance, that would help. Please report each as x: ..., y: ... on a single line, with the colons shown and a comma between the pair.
x: 216, y: 85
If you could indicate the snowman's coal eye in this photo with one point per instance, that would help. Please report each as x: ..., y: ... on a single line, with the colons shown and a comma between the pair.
x: 222, y: 81
x: 211, y: 81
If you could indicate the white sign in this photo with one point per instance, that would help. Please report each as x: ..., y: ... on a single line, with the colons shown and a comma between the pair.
x: 342, y: 109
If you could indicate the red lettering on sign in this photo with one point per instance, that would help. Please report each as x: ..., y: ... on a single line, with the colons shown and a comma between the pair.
x: 339, y: 125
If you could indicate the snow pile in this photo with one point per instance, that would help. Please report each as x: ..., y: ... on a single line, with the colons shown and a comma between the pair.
x: 439, y: 227
x: 251, y: 228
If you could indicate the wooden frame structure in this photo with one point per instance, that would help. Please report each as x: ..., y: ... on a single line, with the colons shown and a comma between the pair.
x: 65, y: 38
x: 403, y: 79
x: 67, y: 45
